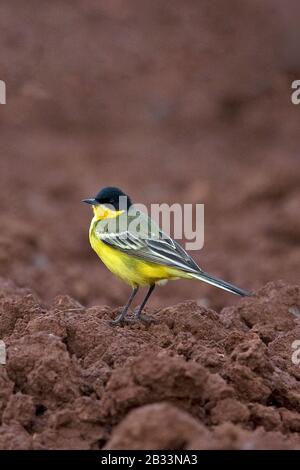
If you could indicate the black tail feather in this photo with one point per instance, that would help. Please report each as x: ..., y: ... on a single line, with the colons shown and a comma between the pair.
x: 203, y: 276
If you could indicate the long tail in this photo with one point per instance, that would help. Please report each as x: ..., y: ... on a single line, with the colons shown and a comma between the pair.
x: 203, y: 276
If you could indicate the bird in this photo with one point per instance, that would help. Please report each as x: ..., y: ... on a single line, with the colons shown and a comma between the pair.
x: 142, y: 258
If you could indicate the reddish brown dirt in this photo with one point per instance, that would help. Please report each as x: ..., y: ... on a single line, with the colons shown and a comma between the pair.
x: 193, y: 379
x: 173, y: 102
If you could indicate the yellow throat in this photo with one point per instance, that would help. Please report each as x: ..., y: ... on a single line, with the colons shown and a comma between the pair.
x: 103, y: 212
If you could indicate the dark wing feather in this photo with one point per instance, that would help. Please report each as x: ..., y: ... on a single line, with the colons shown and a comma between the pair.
x: 149, y: 244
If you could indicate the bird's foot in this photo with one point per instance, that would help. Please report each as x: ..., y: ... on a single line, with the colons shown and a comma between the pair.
x: 142, y: 317
x: 145, y: 319
x: 120, y: 320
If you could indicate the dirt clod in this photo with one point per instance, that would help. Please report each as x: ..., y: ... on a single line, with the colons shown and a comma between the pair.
x: 73, y: 381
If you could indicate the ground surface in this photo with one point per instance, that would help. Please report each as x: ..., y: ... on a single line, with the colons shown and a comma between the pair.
x: 195, y: 379
x: 174, y: 102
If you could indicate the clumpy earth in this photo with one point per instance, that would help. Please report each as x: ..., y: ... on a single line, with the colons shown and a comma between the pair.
x: 193, y: 379
x: 174, y: 102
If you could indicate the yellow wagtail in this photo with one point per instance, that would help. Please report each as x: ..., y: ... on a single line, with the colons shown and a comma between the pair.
x: 136, y: 250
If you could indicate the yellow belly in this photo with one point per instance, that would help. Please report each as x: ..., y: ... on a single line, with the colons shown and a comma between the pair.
x: 132, y: 270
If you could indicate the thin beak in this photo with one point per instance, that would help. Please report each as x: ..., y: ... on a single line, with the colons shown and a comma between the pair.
x: 91, y: 201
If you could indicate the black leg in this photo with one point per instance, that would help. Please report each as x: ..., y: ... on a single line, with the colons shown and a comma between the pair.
x: 123, y: 314
x: 139, y: 314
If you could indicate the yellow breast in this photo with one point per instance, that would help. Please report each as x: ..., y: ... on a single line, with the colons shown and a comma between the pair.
x: 130, y: 269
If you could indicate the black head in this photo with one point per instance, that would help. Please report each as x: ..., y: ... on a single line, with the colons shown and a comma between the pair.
x: 112, y: 197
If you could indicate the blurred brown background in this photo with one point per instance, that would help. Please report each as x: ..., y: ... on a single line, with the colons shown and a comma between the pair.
x: 172, y: 101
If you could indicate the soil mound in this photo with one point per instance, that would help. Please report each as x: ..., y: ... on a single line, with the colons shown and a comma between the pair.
x: 195, y: 378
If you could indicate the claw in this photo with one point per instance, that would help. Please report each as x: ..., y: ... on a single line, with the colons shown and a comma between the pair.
x: 120, y: 319
x: 117, y: 321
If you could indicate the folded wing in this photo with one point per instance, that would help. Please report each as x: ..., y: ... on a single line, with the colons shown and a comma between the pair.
x: 137, y: 235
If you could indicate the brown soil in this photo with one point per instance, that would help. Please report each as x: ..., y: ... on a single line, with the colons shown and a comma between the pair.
x: 172, y: 102
x: 194, y: 379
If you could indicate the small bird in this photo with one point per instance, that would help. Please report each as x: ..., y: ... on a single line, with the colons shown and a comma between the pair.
x: 144, y: 257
